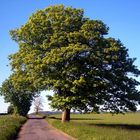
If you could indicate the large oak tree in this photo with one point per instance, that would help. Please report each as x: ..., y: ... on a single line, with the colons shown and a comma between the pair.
x: 62, y: 50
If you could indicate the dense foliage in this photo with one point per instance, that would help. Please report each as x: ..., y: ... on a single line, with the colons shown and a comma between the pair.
x: 60, y: 49
x: 10, y: 109
x: 20, y: 99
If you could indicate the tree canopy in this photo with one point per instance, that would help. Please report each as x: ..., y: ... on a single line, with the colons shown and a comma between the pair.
x: 20, y: 99
x: 62, y: 50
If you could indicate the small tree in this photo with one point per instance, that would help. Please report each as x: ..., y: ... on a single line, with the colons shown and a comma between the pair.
x: 38, y: 104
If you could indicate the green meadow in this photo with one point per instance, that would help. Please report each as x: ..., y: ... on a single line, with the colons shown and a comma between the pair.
x: 9, y: 126
x: 100, y: 126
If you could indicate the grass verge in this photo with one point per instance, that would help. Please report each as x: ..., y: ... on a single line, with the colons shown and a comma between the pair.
x: 100, y: 126
x: 9, y: 126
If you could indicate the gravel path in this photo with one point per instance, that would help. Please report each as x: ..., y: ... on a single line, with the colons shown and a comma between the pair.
x: 38, y: 129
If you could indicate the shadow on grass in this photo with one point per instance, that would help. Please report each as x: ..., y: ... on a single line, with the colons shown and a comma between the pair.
x: 14, y: 136
x: 85, y: 119
x: 76, y: 118
x: 123, y: 126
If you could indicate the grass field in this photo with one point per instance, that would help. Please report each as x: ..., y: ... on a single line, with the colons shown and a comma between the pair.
x: 100, y: 126
x: 9, y: 126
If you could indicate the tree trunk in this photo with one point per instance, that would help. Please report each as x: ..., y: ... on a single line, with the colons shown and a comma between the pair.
x: 66, y: 115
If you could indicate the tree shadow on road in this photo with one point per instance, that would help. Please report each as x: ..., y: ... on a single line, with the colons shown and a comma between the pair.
x: 36, y: 117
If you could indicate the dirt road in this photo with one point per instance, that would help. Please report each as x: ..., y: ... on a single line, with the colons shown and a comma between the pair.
x: 38, y: 129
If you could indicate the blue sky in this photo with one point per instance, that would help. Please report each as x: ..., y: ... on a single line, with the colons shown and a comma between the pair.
x: 122, y: 17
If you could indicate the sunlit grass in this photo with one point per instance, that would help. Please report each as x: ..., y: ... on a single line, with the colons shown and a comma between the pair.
x: 9, y: 126
x: 101, y: 126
